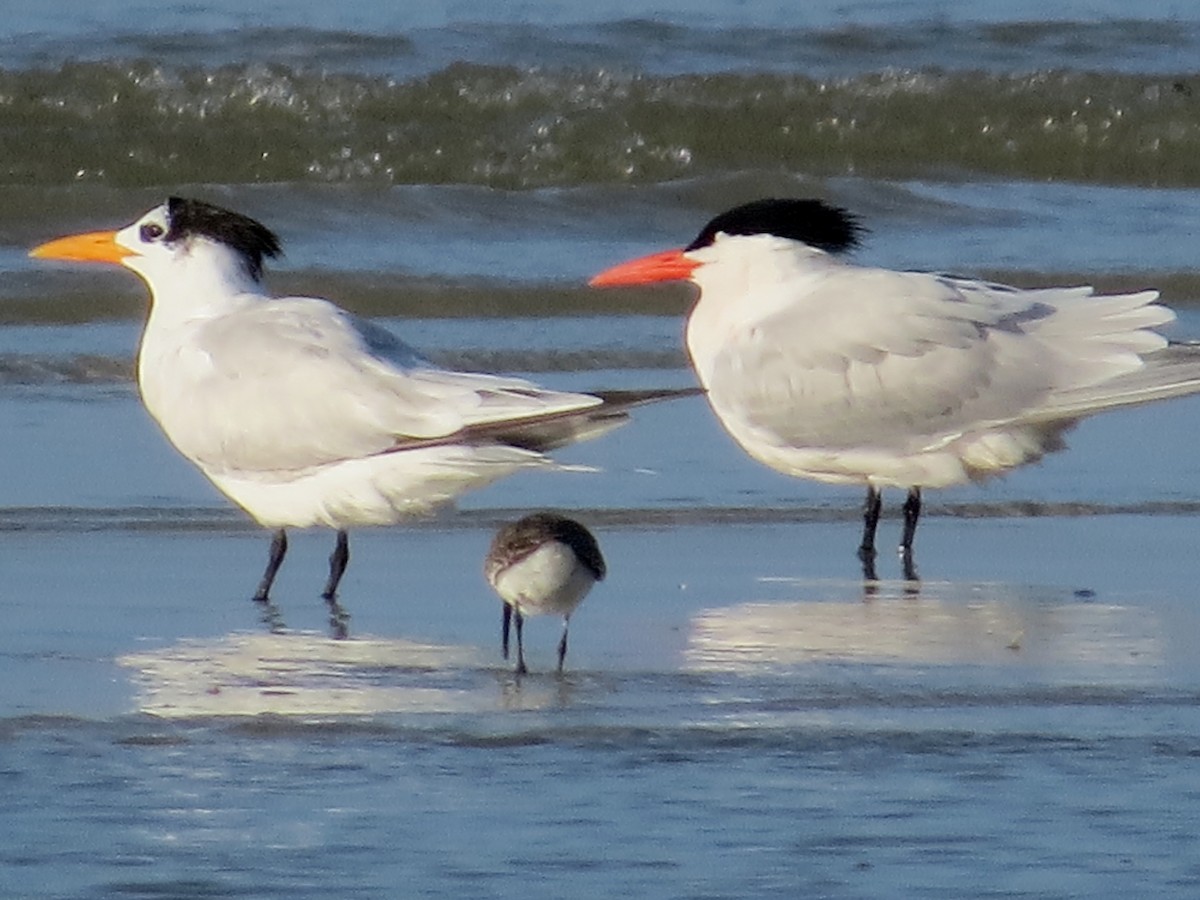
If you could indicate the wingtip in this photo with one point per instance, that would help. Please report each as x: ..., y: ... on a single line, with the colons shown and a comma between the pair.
x: 627, y: 399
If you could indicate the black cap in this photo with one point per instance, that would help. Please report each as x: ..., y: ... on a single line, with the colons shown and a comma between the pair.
x: 251, y: 239
x: 811, y: 222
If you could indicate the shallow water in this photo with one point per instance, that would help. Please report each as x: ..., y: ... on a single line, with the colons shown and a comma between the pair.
x: 736, y: 718
x: 740, y: 715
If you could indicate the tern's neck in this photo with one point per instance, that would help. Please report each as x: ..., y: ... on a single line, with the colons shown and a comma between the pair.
x: 184, y: 301
x: 737, y: 292
x: 198, y: 290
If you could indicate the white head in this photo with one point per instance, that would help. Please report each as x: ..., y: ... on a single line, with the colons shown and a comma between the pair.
x: 181, y: 245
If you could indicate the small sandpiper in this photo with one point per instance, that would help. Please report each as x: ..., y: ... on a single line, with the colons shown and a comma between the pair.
x: 542, y: 564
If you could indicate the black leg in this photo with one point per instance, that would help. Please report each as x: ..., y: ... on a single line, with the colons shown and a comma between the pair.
x: 562, y: 644
x: 337, y: 566
x: 869, y: 574
x: 504, y: 626
x: 912, y: 513
x: 872, y: 507
x: 279, y: 545
x: 520, y: 620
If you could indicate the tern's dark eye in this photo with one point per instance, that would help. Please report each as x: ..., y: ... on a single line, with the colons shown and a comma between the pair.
x: 151, y: 232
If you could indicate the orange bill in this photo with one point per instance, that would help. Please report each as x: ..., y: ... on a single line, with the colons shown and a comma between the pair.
x: 95, y: 246
x: 670, y: 265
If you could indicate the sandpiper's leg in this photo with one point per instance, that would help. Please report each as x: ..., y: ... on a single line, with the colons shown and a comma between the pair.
x: 505, y: 623
x: 562, y: 643
x: 520, y: 622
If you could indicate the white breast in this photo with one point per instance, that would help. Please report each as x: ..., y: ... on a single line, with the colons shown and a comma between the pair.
x: 551, y: 580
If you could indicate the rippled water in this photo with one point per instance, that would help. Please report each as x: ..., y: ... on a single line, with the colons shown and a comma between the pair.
x: 741, y: 716
x: 136, y: 122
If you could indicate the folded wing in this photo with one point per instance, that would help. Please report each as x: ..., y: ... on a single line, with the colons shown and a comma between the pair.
x: 907, y: 361
x: 296, y: 383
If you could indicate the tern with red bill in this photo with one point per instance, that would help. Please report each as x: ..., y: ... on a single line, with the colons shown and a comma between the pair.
x: 846, y: 374
x: 303, y: 414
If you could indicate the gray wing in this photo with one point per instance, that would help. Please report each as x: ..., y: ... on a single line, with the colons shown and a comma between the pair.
x: 296, y: 382
x: 907, y: 361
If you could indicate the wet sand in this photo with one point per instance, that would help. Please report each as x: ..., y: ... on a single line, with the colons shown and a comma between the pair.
x: 93, y: 616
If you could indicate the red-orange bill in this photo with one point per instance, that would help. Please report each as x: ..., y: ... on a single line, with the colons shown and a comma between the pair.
x: 670, y: 265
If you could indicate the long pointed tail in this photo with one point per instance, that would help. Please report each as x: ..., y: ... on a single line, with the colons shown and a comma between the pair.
x: 557, y: 429
x: 1173, y: 371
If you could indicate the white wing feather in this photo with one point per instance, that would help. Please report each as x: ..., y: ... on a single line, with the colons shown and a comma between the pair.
x: 293, y: 383
x: 902, y: 362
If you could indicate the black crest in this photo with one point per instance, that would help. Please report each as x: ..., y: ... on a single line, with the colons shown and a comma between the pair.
x: 252, y: 240
x: 812, y: 222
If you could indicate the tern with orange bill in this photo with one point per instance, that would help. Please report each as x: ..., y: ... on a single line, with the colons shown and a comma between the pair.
x: 303, y: 414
